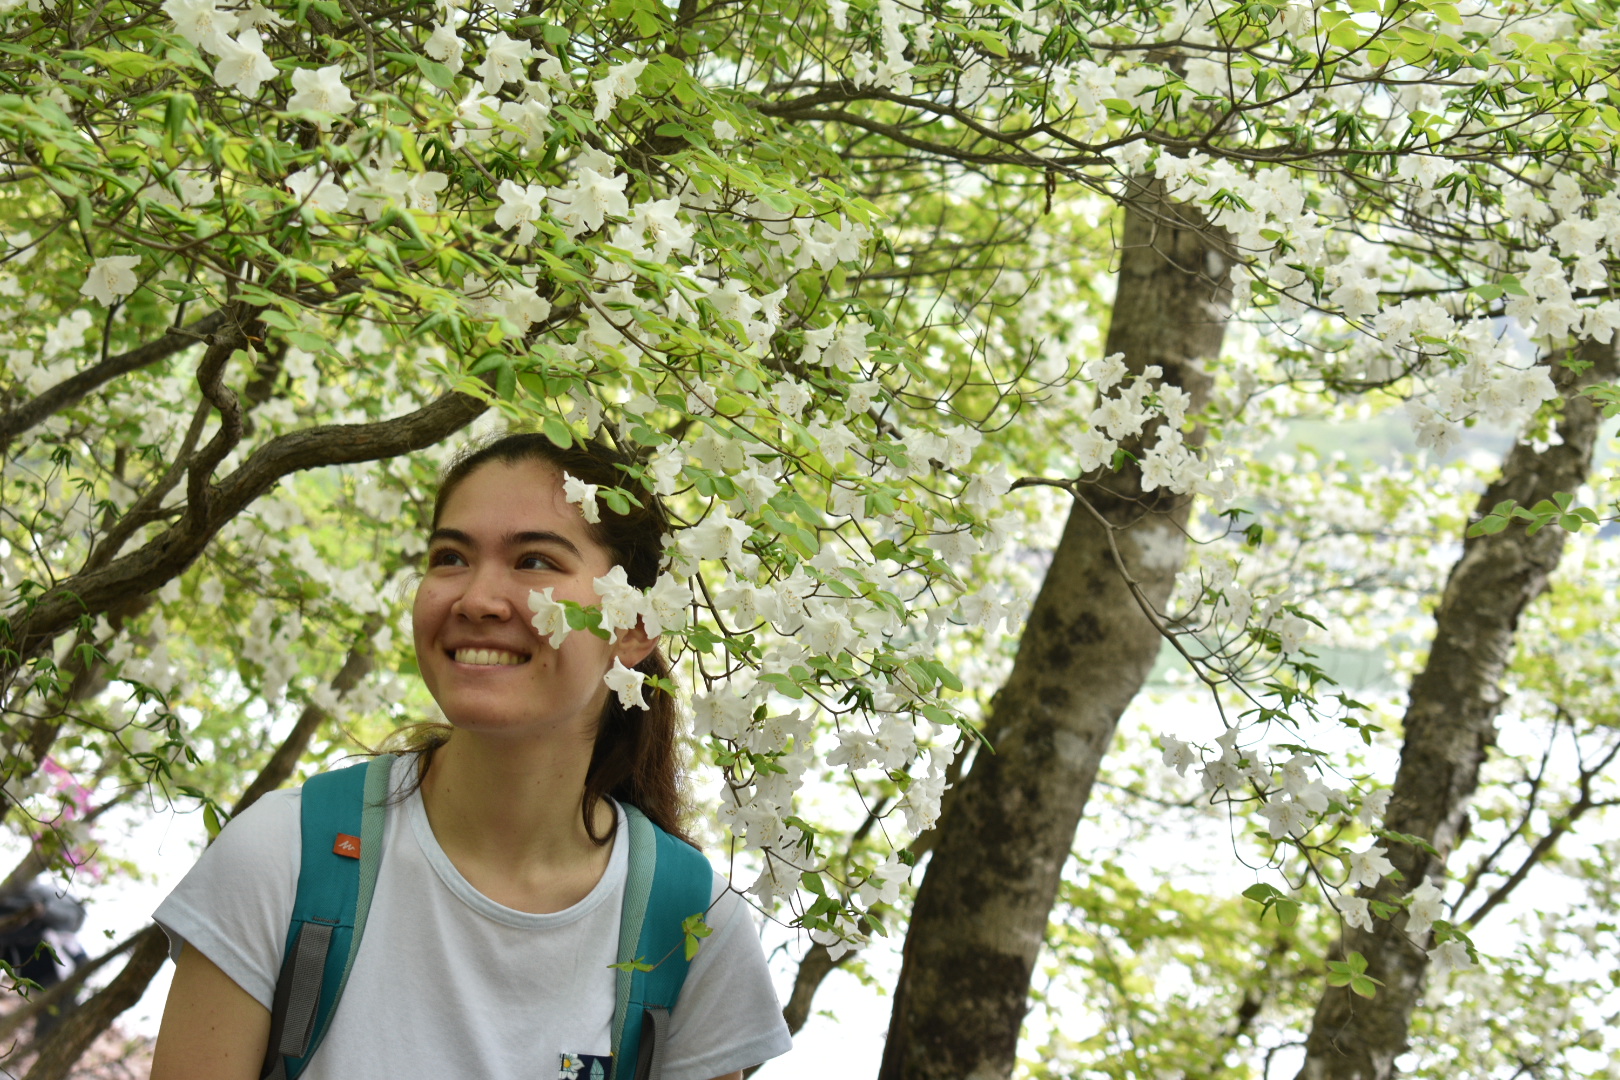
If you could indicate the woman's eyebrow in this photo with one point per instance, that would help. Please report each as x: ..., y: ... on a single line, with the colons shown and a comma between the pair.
x: 455, y: 536
x: 518, y: 539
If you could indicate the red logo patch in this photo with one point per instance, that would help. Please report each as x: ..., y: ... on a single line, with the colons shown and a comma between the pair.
x: 346, y: 845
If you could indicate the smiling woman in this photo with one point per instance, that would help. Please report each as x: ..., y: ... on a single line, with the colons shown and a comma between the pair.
x: 495, y: 924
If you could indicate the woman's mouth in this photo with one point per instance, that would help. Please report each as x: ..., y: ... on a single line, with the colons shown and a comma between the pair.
x: 489, y: 657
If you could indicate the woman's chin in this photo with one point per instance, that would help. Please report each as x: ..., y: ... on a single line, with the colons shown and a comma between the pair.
x: 494, y: 724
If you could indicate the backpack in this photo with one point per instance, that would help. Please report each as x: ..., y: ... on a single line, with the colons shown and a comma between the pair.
x: 342, y: 820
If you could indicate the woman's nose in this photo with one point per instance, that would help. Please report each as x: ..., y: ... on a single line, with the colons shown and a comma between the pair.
x: 484, y: 598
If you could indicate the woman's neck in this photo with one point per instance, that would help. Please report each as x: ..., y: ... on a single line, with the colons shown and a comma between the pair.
x: 507, y: 814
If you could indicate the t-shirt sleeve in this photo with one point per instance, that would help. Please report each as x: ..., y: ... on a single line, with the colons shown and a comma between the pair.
x: 727, y: 1017
x: 235, y: 904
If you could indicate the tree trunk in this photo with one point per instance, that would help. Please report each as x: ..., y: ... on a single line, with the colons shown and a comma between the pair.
x: 68, y: 1043
x: 1450, y: 724
x: 982, y: 907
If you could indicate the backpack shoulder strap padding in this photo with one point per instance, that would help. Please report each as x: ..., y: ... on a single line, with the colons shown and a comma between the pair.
x: 329, y: 911
x: 668, y: 881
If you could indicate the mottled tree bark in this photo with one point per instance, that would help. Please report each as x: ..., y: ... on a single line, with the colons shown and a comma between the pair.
x: 1450, y: 724
x: 983, y: 904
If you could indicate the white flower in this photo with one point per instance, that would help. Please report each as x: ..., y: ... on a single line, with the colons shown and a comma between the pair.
x: 1118, y: 416
x: 578, y: 491
x: 960, y: 443
x: 505, y: 60
x: 849, y: 350
x: 318, y: 190
x: 1296, y: 773
x: 112, y: 278
x: 620, y: 82
x: 1356, y: 912
x: 1426, y: 906
x: 718, y: 536
x: 659, y: 220
x: 883, y: 887
x: 975, y: 79
x: 444, y: 46
x: 665, y: 605
x: 626, y: 682
x: 320, y: 90
x: 531, y: 120
x: 201, y: 23
x: 666, y: 469
x: 1372, y: 807
x: 621, y: 601
x: 550, y: 618
x: 790, y: 396
x: 856, y: 749
x: 591, y: 198
x: 197, y: 188
x: 258, y: 15
x: 827, y: 630
x: 1092, y: 450
x: 1105, y: 373
x: 523, y: 304
x: 724, y: 131
x: 921, y: 804
x: 1177, y: 754
x: 521, y: 205
x: 1285, y: 817
x: 422, y: 190
x: 243, y: 64
x: 472, y: 125
x: 1291, y: 630
x: 1315, y: 797
x: 1449, y: 956
x: 1368, y: 867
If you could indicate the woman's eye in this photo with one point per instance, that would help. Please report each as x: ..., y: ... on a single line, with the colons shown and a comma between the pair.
x: 534, y: 562
x: 445, y: 557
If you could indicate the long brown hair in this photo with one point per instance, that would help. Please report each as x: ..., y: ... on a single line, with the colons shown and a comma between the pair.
x: 634, y: 759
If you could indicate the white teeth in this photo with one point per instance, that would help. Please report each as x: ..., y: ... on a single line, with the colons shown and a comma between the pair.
x: 488, y: 657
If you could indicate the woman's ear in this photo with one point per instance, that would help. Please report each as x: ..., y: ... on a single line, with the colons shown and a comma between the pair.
x: 634, y: 645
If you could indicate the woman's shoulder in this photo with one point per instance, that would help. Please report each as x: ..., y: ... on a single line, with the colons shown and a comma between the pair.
x: 266, y: 835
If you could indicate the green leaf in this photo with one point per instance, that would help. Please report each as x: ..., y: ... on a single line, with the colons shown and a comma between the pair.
x: 436, y: 73
x: 695, y: 930
x: 130, y: 65
x: 558, y: 432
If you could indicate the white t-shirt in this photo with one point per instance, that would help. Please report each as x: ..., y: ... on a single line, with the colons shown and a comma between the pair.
x: 449, y: 983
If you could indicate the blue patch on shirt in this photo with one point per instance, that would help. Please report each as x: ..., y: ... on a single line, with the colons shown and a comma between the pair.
x: 585, y: 1067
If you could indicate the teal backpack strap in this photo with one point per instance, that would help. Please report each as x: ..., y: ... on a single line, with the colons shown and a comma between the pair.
x: 341, y: 824
x: 668, y: 881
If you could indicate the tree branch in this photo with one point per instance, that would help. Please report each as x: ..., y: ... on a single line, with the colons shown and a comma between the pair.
x: 69, y: 391
x: 1544, y: 846
x: 13, y: 1022
x: 169, y: 553
x: 68, y: 1043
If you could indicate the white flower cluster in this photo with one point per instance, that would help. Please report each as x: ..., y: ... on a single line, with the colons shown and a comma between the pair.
x: 1126, y: 404
x: 1237, y: 604
x: 1294, y: 800
x: 660, y: 608
x: 892, y: 70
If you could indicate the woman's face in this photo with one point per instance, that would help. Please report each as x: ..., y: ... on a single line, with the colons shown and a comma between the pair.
x: 507, y: 530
